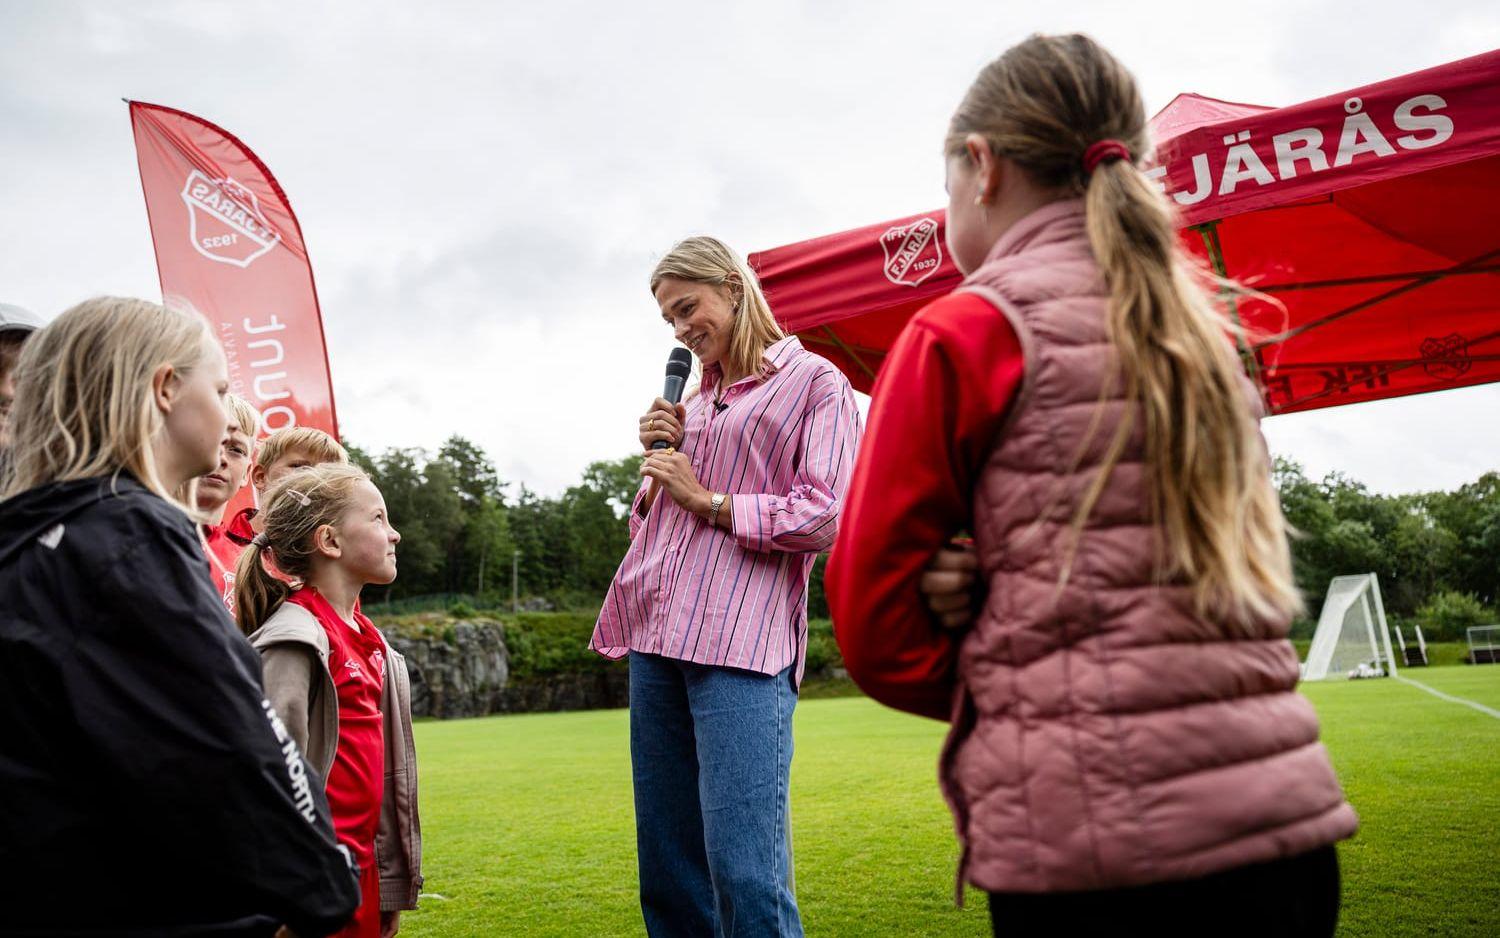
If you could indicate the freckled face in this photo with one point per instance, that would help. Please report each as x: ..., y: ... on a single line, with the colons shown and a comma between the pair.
x: 367, y: 540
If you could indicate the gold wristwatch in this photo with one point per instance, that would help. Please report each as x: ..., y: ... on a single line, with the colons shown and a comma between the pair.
x: 715, y: 502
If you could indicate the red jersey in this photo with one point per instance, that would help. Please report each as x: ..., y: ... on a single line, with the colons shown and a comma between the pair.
x: 356, y: 659
x: 225, y: 543
x: 938, y: 405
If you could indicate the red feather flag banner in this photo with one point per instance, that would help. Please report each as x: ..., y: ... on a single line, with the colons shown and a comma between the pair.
x: 228, y: 246
x: 1368, y: 218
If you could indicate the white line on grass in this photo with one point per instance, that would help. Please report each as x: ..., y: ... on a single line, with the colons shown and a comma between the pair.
x: 1450, y: 698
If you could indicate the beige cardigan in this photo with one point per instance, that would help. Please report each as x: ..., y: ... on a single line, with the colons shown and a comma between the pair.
x: 291, y: 644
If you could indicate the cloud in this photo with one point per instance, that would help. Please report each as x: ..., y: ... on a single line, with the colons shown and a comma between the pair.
x: 484, y: 189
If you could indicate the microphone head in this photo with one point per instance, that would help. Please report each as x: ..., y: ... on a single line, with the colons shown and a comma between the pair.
x: 679, y: 363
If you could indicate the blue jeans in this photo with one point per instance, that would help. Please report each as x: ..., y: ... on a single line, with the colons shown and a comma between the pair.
x: 711, y: 754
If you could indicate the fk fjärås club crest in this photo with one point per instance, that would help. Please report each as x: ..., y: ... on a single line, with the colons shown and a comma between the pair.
x: 1446, y: 357
x: 225, y: 220
x: 912, y: 252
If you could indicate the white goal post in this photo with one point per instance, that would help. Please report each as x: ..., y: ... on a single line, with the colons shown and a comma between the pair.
x: 1484, y: 644
x: 1352, y: 639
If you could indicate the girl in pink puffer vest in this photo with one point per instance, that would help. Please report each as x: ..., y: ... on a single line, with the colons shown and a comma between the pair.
x: 1128, y: 751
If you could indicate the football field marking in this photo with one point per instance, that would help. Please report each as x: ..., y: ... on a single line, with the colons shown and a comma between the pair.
x: 1450, y: 698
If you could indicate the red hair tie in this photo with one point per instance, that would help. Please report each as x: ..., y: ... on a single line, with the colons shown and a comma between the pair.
x: 1103, y: 151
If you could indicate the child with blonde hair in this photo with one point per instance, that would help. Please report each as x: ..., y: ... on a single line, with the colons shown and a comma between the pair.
x: 224, y: 541
x: 290, y: 449
x: 1128, y: 752
x: 137, y: 742
x: 343, y: 693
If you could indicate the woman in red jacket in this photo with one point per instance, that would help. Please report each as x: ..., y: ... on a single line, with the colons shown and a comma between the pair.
x: 1127, y: 748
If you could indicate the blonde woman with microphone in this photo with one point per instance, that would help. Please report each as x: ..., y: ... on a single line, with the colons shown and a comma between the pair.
x: 710, y: 602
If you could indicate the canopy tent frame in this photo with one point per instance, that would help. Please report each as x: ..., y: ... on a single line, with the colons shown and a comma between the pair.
x: 853, y: 351
x: 1252, y: 355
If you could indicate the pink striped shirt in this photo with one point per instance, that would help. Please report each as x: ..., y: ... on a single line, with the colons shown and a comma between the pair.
x: 783, y: 449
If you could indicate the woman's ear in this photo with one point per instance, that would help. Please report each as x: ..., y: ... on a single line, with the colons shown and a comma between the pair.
x: 734, y: 291
x: 164, y: 387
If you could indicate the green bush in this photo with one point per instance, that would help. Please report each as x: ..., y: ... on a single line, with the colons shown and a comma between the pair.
x: 459, y: 609
x: 822, y: 651
x: 542, y: 643
x: 1446, y: 616
x: 571, y: 600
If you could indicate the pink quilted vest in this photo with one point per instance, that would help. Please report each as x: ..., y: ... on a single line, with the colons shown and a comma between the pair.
x: 1105, y: 735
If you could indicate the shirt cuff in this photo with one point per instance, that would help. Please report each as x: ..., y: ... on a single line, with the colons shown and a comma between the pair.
x: 751, y: 521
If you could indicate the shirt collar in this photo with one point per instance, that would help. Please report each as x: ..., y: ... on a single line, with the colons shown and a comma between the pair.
x: 239, y: 527
x: 1055, y: 220
x: 773, y: 359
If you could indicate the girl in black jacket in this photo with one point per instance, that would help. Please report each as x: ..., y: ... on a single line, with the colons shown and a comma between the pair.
x: 148, y: 789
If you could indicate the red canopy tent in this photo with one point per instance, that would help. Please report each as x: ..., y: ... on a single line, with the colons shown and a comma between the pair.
x: 1371, y: 217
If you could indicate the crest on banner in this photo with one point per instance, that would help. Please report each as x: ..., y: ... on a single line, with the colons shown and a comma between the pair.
x: 225, y: 220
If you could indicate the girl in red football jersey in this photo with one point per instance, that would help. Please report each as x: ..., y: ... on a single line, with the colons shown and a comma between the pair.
x: 341, y: 690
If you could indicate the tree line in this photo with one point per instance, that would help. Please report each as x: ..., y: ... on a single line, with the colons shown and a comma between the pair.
x: 463, y: 527
x: 1437, y: 553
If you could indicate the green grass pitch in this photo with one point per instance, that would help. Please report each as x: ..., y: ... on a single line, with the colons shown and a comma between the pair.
x: 528, y: 820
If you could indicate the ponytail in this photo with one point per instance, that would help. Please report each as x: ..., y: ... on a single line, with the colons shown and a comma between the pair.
x: 1210, y: 488
x: 1068, y: 114
x: 257, y: 594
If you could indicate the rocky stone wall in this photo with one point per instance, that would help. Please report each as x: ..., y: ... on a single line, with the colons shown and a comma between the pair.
x: 463, y: 670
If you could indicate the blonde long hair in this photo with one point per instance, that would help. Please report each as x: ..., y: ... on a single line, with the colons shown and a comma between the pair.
x: 84, y: 406
x: 708, y: 260
x: 1041, y: 105
x: 295, y: 508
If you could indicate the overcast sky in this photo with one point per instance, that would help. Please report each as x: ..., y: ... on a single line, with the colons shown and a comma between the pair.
x: 484, y: 187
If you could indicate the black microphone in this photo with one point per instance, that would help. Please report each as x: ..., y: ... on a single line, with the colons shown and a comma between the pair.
x: 679, y: 364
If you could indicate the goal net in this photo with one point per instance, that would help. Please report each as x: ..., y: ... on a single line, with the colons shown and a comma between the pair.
x: 1352, y: 639
x: 1484, y: 644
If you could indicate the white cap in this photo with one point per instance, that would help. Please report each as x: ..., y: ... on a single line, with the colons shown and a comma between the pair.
x: 16, y: 319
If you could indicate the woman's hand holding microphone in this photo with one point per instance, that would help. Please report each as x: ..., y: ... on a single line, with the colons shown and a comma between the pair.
x: 662, y: 424
x: 672, y: 470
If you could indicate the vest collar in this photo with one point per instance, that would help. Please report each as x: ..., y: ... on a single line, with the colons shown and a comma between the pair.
x: 1055, y: 221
